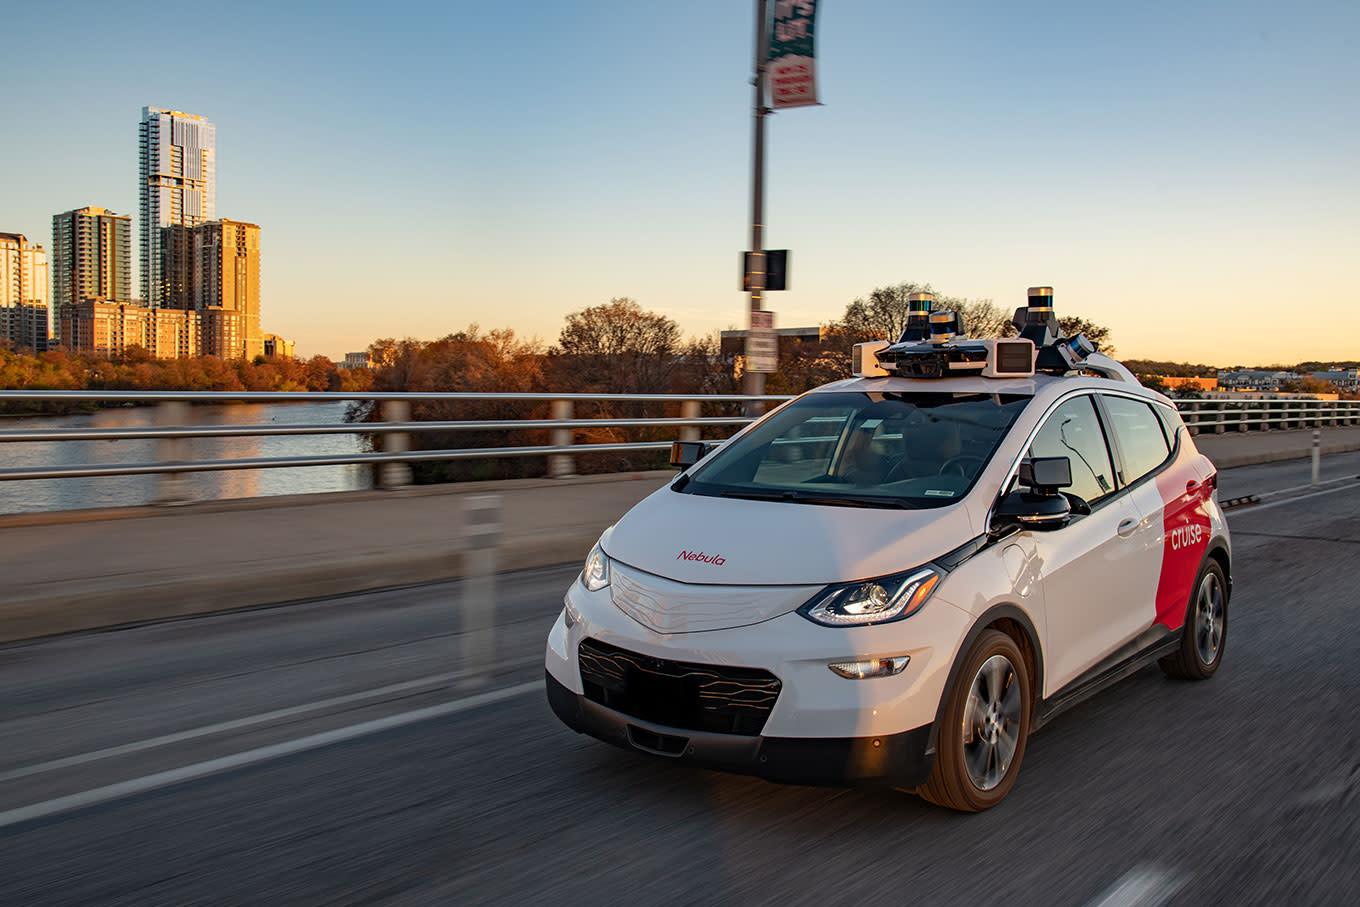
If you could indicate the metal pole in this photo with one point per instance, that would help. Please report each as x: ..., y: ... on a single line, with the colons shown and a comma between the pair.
x: 755, y: 381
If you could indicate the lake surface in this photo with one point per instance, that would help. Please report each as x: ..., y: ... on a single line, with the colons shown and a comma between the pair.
x: 30, y: 495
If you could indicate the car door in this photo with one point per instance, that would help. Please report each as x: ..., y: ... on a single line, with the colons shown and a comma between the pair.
x: 1094, y: 570
x: 1169, y: 488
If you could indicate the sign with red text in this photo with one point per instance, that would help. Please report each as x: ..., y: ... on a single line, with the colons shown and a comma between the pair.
x: 792, y: 70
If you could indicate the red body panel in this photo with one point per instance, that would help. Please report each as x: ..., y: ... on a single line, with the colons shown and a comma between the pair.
x: 1185, y: 492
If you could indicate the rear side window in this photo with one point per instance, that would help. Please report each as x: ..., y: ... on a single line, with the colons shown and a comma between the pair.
x: 1073, y: 431
x: 1141, y: 437
x: 1171, y: 421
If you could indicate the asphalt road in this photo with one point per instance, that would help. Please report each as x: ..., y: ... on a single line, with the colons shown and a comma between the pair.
x: 331, y: 753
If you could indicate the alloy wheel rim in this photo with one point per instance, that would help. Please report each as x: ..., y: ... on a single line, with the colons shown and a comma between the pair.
x: 1209, y: 615
x: 991, y: 722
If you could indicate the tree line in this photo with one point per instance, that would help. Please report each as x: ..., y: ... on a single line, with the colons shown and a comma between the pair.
x: 136, y: 370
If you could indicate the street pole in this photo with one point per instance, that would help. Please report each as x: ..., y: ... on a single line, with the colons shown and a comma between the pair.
x: 755, y: 381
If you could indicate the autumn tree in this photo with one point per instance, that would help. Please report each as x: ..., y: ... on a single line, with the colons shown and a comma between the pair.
x: 470, y: 360
x: 616, y: 348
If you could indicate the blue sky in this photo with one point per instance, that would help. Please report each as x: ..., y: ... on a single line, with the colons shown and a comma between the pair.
x: 1185, y: 172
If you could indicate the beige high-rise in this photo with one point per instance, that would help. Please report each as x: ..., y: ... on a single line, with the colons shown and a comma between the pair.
x: 226, y: 255
x: 24, y: 316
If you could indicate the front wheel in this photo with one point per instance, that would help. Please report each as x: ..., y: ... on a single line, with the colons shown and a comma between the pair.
x: 984, y: 729
x: 1205, y: 630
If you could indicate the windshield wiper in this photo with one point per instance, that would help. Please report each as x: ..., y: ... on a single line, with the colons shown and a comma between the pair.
x: 759, y: 495
x: 809, y: 497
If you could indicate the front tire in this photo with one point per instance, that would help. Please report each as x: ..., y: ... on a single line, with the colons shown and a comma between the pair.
x: 1205, y: 630
x: 985, y: 727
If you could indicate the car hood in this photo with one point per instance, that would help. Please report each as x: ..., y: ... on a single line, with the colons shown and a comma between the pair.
x: 734, y: 542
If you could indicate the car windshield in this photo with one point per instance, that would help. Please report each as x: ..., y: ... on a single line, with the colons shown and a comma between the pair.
x: 863, y: 450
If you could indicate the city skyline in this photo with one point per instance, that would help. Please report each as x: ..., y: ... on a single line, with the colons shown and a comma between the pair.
x: 1178, y: 173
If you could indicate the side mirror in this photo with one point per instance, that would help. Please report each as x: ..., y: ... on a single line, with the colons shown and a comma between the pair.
x: 1040, y: 506
x: 686, y: 453
x: 1028, y: 510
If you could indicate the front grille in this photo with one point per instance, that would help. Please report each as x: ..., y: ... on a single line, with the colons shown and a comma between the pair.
x: 677, y: 694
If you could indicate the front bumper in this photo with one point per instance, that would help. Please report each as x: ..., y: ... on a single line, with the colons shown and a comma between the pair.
x: 893, y: 760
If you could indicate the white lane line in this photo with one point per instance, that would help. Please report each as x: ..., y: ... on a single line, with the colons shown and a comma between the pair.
x: 233, y: 725
x: 1303, y: 497
x: 260, y: 754
x: 1142, y: 886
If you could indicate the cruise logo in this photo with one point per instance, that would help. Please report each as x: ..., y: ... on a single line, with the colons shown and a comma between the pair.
x: 1186, y: 537
x: 713, y: 559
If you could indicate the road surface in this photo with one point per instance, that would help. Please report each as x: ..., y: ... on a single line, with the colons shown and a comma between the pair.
x: 334, y: 752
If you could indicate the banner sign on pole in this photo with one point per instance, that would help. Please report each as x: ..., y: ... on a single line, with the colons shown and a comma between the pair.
x: 762, y: 344
x: 793, y: 67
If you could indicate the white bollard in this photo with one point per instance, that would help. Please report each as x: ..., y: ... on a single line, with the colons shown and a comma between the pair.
x: 477, y: 592
x: 1317, y: 453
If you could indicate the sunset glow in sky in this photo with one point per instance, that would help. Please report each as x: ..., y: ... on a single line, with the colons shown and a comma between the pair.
x: 1185, y: 172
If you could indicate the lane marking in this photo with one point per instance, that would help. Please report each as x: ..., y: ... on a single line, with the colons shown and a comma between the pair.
x: 260, y: 754
x: 233, y: 725
x: 1303, y: 497
x: 1142, y: 886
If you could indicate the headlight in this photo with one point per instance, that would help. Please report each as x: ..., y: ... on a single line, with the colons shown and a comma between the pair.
x: 873, y: 601
x: 595, y: 574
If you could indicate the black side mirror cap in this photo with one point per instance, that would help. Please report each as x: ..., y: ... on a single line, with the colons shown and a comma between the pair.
x: 1038, y: 512
x: 685, y: 454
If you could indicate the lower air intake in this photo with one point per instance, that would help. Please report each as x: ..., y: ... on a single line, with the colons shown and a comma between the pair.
x: 694, y: 697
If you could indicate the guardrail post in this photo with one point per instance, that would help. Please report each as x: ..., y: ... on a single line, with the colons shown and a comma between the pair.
x: 1220, y: 417
x: 477, y: 592
x: 689, y: 410
x: 395, y: 475
x: 172, y: 487
x: 561, y: 465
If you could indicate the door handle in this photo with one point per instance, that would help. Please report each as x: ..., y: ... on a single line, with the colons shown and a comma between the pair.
x: 1126, y: 528
x: 1191, y: 486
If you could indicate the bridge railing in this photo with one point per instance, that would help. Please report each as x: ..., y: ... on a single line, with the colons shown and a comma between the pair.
x: 172, y: 428
x: 396, y: 427
x: 1217, y: 416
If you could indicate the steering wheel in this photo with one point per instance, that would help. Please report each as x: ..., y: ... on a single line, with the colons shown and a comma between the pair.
x: 959, y: 465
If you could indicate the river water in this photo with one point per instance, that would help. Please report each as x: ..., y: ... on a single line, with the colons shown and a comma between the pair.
x: 30, y: 495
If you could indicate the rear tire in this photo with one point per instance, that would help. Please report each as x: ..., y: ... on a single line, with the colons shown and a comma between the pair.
x: 1206, y: 627
x: 984, y: 729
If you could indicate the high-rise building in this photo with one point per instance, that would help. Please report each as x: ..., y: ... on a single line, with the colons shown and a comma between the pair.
x: 91, y: 257
x: 177, y: 187
x: 24, y: 320
x: 227, y: 280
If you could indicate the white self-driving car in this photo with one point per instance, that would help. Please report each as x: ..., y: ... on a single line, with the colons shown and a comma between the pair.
x: 893, y: 579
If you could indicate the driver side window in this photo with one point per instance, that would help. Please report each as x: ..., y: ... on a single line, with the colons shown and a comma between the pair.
x: 1073, y: 431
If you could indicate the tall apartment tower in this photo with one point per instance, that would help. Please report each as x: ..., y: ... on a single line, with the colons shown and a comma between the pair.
x: 24, y: 316
x: 91, y: 257
x: 177, y: 189
x: 226, y: 284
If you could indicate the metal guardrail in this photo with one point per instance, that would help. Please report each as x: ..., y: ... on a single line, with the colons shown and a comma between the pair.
x: 396, y: 428
x: 1219, y: 415
x: 1201, y: 415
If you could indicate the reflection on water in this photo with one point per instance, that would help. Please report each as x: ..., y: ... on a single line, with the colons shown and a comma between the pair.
x: 120, y: 491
